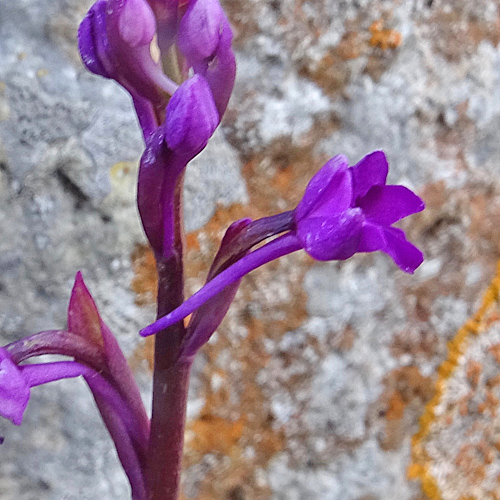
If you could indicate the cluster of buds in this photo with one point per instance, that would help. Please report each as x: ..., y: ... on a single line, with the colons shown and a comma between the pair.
x: 179, y: 96
x: 174, y: 57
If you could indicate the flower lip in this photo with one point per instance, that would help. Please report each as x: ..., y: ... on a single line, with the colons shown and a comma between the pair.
x: 348, y: 210
x: 335, y: 237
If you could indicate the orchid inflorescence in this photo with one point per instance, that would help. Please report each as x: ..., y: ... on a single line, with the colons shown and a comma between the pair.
x: 174, y: 57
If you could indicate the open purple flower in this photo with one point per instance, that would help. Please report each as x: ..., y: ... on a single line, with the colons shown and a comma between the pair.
x: 348, y: 210
x: 345, y: 210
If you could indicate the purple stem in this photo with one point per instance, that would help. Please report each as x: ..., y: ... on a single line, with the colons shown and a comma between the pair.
x: 171, y: 375
x: 282, y: 245
x: 145, y: 114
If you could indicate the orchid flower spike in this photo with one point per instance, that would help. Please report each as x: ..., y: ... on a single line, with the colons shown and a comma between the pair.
x: 345, y: 210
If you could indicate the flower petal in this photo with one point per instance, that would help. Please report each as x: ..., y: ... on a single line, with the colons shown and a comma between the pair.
x: 370, y: 171
x: 14, y: 390
x: 199, y: 29
x: 93, y: 41
x: 393, y: 242
x: 334, y: 238
x: 191, y: 117
x: 388, y: 204
x: 328, y: 192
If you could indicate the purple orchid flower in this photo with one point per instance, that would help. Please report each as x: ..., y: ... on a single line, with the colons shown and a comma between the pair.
x: 348, y: 210
x: 344, y: 210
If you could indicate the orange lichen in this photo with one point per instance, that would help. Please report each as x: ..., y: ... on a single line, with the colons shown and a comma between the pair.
x: 404, y: 387
x: 474, y: 370
x: 472, y: 457
x: 457, y: 32
x: 384, y: 38
x: 145, y: 281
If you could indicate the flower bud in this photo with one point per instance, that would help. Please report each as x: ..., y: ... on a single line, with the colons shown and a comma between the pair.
x: 200, y: 30
x: 191, y: 118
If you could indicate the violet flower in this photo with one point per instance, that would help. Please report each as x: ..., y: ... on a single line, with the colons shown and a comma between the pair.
x: 345, y: 210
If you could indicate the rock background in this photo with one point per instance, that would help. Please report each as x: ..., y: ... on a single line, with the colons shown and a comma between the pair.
x: 314, y: 384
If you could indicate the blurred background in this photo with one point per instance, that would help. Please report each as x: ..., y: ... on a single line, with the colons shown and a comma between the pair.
x: 327, y: 381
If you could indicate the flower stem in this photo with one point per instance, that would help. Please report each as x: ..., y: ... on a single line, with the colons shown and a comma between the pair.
x: 171, y: 374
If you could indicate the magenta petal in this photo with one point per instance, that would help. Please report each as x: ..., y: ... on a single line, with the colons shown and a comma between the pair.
x: 370, y: 171
x: 200, y: 29
x: 137, y: 24
x: 333, y: 238
x: 14, y: 390
x: 328, y: 192
x: 93, y: 41
x: 191, y: 117
x: 388, y: 204
x: 407, y: 256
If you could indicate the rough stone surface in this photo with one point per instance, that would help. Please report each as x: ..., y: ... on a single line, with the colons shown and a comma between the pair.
x: 314, y: 385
